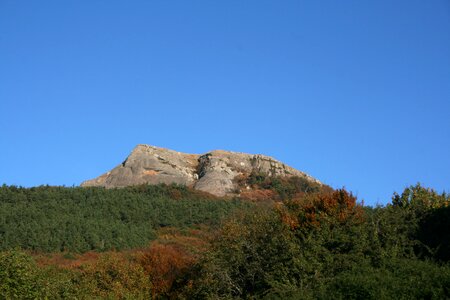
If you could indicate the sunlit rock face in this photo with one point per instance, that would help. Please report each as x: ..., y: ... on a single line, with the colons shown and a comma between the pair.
x: 213, y: 172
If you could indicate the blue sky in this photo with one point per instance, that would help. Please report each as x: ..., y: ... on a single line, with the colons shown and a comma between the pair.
x: 355, y: 93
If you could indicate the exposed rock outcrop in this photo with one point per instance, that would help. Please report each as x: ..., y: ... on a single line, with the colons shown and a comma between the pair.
x: 213, y: 172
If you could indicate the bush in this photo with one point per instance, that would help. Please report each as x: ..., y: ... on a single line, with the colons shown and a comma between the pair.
x: 114, y: 276
x: 19, y: 276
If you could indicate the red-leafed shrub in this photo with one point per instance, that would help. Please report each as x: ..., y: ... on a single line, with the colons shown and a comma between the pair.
x: 313, y: 210
x: 164, y: 263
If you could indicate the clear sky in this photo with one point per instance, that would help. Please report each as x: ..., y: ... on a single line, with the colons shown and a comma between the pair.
x: 355, y: 93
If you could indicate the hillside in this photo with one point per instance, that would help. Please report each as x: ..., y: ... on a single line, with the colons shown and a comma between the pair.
x: 53, y: 219
x: 174, y: 242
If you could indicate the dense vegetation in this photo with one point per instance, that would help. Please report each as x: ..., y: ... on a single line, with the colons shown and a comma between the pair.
x: 78, y: 219
x: 302, y: 242
x: 326, y: 246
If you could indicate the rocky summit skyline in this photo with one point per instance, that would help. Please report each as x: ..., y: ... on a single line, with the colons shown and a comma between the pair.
x: 214, y: 172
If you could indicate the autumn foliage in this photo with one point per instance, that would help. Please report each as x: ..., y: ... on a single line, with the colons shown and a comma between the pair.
x: 258, y: 195
x: 314, y: 210
x: 164, y: 263
x: 294, y: 241
x: 113, y: 275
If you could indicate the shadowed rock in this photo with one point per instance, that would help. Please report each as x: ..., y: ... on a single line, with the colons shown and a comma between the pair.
x: 213, y: 172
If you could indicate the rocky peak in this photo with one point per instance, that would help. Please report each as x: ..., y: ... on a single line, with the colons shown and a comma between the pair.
x: 213, y: 172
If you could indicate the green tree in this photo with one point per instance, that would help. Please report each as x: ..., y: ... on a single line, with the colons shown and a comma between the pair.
x: 19, y: 277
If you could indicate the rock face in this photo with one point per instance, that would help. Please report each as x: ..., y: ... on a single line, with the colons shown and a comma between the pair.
x: 213, y: 172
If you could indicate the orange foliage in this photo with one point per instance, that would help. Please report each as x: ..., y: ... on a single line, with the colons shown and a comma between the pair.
x: 164, y: 263
x: 159, y: 265
x: 128, y: 273
x: 326, y: 207
x: 67, y: 260
x: 171, y: 256
x: 258, y: 195
x: 290, y: 220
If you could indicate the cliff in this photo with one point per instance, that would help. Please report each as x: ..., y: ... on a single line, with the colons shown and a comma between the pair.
x: 213, y: 172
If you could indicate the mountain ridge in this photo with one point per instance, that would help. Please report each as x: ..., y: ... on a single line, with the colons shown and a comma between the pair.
x: 213, y: 172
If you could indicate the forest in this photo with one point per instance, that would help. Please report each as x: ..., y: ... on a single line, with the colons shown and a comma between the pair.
x: 285, y: 238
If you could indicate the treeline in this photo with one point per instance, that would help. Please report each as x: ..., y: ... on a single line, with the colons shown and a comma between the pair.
x: 53, y: 219
x: 303, y: 242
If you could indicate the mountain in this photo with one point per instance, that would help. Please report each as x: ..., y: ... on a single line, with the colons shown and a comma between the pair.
x: 214, y: 172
